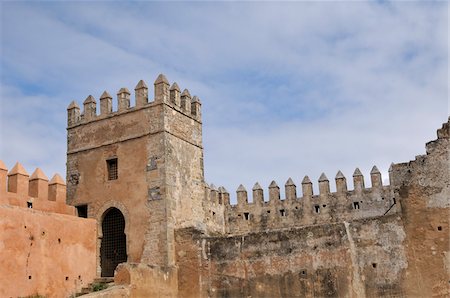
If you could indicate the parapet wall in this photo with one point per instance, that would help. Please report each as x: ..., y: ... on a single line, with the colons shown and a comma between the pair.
x: 18, y: 188
x: 45, y: 248
x: 395, y: 245
x: 309, y: 209
x: 182, y: 102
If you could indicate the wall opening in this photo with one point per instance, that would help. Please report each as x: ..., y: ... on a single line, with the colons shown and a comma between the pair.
x: 113, y: 249
x: 29, y: 205
x: 82, y: 211
x: 113, y: 169
x: 355, y: 205
x: 317, y: 208
x: 283, y: 212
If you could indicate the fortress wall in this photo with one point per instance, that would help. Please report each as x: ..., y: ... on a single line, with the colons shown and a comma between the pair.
x: 395, y: 244
x: 423, y: 186
x: 18, y: 188
x: 158, y: 148
x: 45, y: 253
x: 215, y: 203
x: 292, y: 211
x: 45, y: 248
x: 137, y: 192
x: 364, y: 258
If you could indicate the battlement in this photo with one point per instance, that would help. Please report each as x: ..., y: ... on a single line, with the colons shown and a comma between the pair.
x: 18, y: 188
x: 309, y: 209
x: 182, y: 102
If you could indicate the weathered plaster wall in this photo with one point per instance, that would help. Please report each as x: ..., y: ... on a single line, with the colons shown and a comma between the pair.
x: 357, y: 259
x: 145, y: 280
x: 423, y: 186
x: 45, y: 253
x: 396, y: 244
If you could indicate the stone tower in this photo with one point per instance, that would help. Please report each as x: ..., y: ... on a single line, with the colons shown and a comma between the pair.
x: 138, y: 171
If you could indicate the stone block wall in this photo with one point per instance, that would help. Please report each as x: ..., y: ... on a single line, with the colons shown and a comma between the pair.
x: 395, y: 245
x: 157, y: 146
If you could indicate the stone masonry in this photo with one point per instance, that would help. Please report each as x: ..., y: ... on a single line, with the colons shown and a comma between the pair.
x: 183, y: 235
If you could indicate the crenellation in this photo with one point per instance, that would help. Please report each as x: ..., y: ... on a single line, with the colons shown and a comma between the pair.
x: 214, y: 194
x: 38, y: 185
x: 141, y: 94
x: 57, y: 189
x: 358, y: 181
x: 242, y: 198
x: 3, y: 177
x: 185, y: 102
x: 34, y: 191
x: 290, y: 190
x: 18, y: 180
x: 196, y: 107
x: 324, y: 185
x: 89, y: 108
x: 73, y: 114
x: 105, y: 104
x: 175, y: 94
x: 310, y: 209
x: 375, y: 178
x: 307, y: 188
x: 225, y: 196
x: 123, y: 99
x: 161, y: 89
x: 274, y: 193
x: 341, y: 183
x: 191, y: 107
x: 390, y: 171
x: 257, y: 195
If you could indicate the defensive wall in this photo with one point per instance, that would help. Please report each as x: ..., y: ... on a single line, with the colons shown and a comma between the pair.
x: 160, y: 230
x: 156, y: 147
x: 186, y: 237
x: 296, y: 211
x: 395, y: 245
x: 45, y: 248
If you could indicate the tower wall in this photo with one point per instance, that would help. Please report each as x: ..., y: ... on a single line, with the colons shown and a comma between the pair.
x: 159, y: 185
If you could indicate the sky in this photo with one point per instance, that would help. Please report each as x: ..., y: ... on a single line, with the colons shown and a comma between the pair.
x: 288, y: 89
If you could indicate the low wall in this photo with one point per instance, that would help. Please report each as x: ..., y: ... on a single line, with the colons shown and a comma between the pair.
x: 43, y: 253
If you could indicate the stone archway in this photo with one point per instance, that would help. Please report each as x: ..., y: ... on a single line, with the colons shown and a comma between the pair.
x: 113, y: 248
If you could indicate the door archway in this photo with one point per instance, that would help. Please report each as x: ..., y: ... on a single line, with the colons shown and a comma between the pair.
x: 113, y: 249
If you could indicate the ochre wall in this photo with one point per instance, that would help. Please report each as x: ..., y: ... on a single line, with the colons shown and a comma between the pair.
x: 45, y: 253
x: 45, y: 248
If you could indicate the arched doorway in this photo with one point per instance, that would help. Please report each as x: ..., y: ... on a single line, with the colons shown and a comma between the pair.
x: 113, y: 249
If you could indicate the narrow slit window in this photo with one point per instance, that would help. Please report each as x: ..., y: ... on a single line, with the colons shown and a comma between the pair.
x: 247, y: 215
x: 113, y: 172
x: 355, y: 205
x: 283, y: 212
x: 317, y: 208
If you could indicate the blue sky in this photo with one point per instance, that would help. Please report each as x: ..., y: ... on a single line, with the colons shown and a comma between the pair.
x: 288, y: 89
